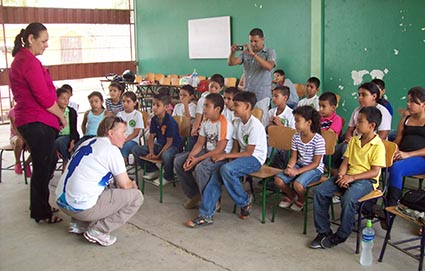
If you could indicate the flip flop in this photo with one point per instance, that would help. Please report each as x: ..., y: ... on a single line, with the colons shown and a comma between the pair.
x: 55, y: 210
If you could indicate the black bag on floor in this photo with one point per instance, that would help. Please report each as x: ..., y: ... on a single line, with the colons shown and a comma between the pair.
x: 414, y: 199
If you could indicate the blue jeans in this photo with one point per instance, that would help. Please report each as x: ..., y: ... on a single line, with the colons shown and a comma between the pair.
x: 304, y: 178
x: 349, y: 200
x: 406, y: 167
x: 167, y: 158
x: 229, y: 174
x: 128, y: 147
x: 62, y: 145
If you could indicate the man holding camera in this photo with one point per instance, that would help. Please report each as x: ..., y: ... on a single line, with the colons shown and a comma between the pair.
x: 258, y: 61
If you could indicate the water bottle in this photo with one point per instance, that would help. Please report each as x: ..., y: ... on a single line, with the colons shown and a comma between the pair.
x: 368, y: 234
x: 195, y: 79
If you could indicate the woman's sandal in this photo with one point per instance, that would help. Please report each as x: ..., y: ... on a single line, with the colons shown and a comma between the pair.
x: 51, y: 220
x: 55, y: 210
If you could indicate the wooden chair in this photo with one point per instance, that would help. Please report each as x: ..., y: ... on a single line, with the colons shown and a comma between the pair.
x: 301, y: 91
x: 184, y: 129
x: 173, y: 76
x: 165, y: 81
x: 9, y: 148
x: 257, y: 112
x: 330, y: 142
x: 230, y: 82
x: 158, y: 77
x: 280, y: 137
x: 174, y: 81
x: 202, y: 77
x: 390, y: 149
x: 150, y: 77
x: 420, y: 179
x: 403, y: 245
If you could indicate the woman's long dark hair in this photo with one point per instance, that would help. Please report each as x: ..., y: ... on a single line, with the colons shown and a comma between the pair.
x: 21, y: 40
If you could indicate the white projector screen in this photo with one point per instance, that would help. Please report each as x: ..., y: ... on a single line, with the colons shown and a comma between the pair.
x: 209, y: 37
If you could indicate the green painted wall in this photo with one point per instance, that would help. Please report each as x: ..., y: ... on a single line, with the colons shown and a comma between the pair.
x: 369, y: 35
x: 162, y: 43
x: 385, y: 35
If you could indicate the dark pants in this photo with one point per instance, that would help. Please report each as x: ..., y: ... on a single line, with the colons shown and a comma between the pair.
x: 40, y: 139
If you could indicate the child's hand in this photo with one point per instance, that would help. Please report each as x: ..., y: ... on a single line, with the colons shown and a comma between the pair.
x: 344, y: 181
x: 149, y: 156
x: 218, y: 157
x: 290, y: 171
x: 194, y: 131
x: 277, y: 121
x: 190, y: 163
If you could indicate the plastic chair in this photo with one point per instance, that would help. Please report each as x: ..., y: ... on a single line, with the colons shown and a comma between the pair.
x: 280, y: 137
x: 257, y: 112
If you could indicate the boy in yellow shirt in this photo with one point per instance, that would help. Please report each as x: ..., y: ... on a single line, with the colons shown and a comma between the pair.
x: 358, y: 175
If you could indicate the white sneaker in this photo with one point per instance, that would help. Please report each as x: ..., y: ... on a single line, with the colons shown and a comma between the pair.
x: 164, y: 182
x: 287, y: 202
x: 336, y: 199
x: 76, y: 228
x: 103, y: 239
x: 151, y: 175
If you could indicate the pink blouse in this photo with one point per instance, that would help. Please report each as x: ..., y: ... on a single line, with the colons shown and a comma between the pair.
x: 33, y: 90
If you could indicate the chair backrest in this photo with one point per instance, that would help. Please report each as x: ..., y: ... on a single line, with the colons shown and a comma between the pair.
x: 300, y: 90
x: 257, y: 112
x: 280, y: 137
x: 150, y: 77
x: 338, y: 98
x: 330, y: 141
x: 145, y: 116
x: 172, y: 76
x: 165, y: 81
x: 174, y: 81
x: 230, y: 82
x: 158, y: 76
x: 202, y: 77
x: 390, y: 149
x: 184, y: 125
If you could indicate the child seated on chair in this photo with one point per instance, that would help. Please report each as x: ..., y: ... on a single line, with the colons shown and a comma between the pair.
x: 68, y: 136
x: 215, y: 86
x: 114, y: 102
x: 71, y: 103
x: 329, y: 120
x: 134, y: 120
x: 168, y: 143
x: 229, y: 106
x: 281, y: 114
x: 306, y: 163
x: 194, y: 169
x: 312, y: 87
x: 18, y: 145
x: 248, y: 153
x: 186, y: 108
x: 358, y: 175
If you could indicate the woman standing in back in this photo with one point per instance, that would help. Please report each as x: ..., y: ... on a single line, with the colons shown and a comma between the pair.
x: 37, y: 115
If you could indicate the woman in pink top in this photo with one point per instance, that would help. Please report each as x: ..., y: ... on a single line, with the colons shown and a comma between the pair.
x: 37, y: 115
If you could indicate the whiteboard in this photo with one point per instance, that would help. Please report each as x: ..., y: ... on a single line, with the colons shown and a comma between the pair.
x: 209, y: 37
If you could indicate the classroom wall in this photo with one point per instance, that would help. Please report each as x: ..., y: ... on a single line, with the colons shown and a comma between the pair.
x: 383, y: 36
x: 162, y: 43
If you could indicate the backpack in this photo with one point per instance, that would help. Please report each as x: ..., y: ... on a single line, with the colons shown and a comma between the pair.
x: 414, y: 199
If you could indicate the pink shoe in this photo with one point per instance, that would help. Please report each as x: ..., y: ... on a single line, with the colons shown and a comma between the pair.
x: 18, y: 169
x: 28, y: 171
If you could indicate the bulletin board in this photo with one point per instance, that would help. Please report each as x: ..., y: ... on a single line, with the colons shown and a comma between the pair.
x: 209, y: 38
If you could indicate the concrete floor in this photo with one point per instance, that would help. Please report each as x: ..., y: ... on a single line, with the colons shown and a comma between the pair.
x: 156, y: 239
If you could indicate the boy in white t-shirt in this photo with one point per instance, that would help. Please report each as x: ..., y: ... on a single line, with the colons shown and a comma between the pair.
x: 194, y: 169
x: 281, y: 114
x: 312, y: 88
x: 215, y: 86
x: 248, y: 153
x: 229, y: 93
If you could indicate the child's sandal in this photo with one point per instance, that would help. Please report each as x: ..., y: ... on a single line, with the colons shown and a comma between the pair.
x: 199, y: 221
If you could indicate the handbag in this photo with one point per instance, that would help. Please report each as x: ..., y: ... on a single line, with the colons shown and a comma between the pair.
x: 414, y: 199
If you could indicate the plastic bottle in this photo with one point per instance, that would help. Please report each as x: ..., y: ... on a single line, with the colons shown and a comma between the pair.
x: 195, y: 79
x: 368, y: 234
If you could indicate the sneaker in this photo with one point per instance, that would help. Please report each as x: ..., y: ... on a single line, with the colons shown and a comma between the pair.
x: 18, y: 169
x: 316, y: 243
x: 336, y: 199
x: 287, y: 202
x: 297, y: 206
x: 246, y: 211
x: 191, y: 203
x: 199, y: 221
x: 164, y: 182
x: 331, y: 240
x: 28, y: 171
x: 103, y: 239
x: 76, y: 228
x: 151, y: 175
